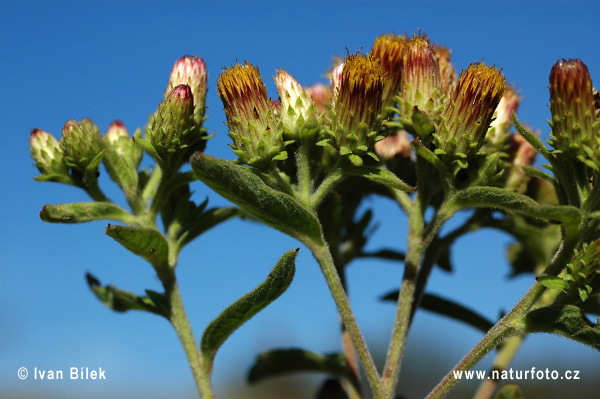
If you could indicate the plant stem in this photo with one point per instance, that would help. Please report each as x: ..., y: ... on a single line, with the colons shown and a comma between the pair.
x: 335, y: 176
x: 504, y: 357
x: 304, y: 176
x: 419, y: 238
x: 405, y: 300
x: 497, y: 334
x: 503, y: 328
x: 508, y: 350
x: 180, y: 322
x: 325, y: 260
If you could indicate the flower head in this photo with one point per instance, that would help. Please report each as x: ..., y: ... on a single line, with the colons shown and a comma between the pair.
x: 357, y: 106
x: 421, y: 81
x: 447, y: 72
x: 257, y: 139
x: 390, y: 50
x: 467, y: 117
x: 574, y: 128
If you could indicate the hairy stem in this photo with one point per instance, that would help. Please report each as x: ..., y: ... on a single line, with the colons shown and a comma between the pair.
x: 325, y: 260
x: 304, y: 174
x: 180, y: 322
x: 506, y: 326
x: 419, y: 238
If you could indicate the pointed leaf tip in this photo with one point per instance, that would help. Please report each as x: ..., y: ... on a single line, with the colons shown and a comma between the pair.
x: 249, y: 305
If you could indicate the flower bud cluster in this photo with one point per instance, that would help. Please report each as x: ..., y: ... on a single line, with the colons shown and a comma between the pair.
x: 191, y: 71
x: 81, y: 149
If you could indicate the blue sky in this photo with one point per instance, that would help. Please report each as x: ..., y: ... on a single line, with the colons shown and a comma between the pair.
x: 111, y: 60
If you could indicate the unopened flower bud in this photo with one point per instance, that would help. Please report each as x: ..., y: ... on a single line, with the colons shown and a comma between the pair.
x: 81, y: 144
x: 171, y: 129
x: 321, y: 95
x: 447, y: 71
x: 118, y: 138
x: 394, y: 145
x: 257, y: 139
x: 574, y: 131
x: 191, y: 71
x: 298, y: 112
x: 390, y: 50
x: 467, y: 117
x: 500, y: 125
x: 336, y: 79
x: 357, y: 108
x: 520, y: 154
x: 584, y: 271
x: 47, y: 153
x: 421, y: 84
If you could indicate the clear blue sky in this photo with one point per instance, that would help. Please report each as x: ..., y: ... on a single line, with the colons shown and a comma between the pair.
x: 111, y: 60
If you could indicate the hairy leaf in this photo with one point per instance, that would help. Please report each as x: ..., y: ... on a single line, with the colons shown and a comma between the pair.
x: 566, y: 320
x: 448, y: 308
x: 148, y: 243
x: 122, y: 301
x: 242, y: 187
x: 249, y: 305
x: 285, y: 361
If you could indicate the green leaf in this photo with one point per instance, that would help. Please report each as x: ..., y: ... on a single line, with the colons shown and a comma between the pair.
x: 148, y: 243
x: 566, y: 320
x: 509, y: 392
x: 249, y: 305
x: 421, y: 123
x: 540, y: 174
x: 286, y: 361
x: 242, y: 187
x: 380, y: 176
x: 498, y: 198
x: 552, y: 282
x: 121, y: 171
x: 448, y: 308
x: 388, y: 254
x: 532, y: 139
x: 122, y: 301
x: 79, y: 212
x: 428, y: 155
